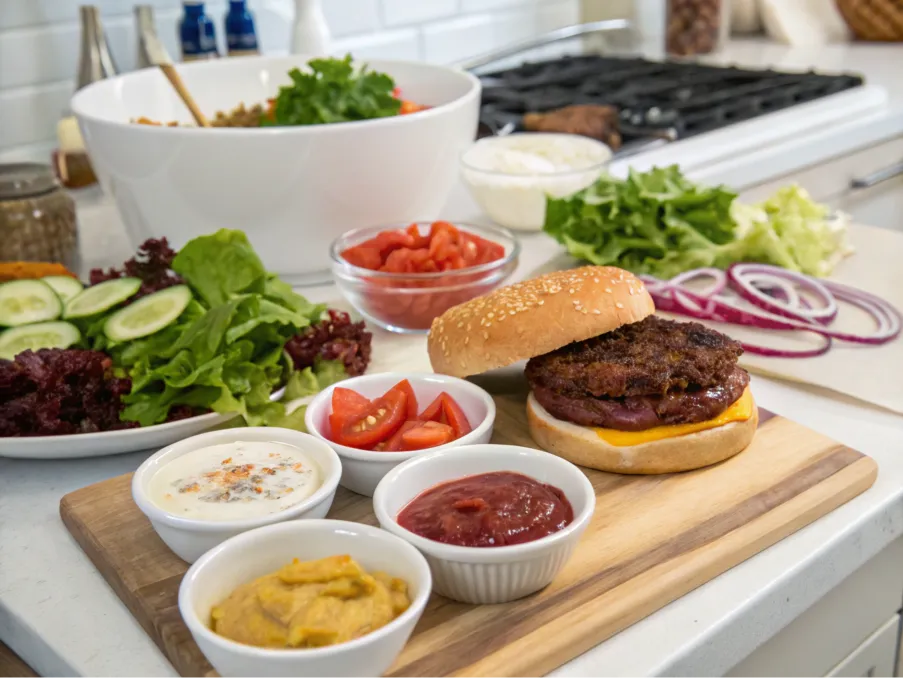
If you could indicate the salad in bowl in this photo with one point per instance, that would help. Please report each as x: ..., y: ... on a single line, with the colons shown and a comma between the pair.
x: 201, y: 335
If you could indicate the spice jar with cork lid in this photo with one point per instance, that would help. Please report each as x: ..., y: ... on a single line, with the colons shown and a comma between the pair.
x: 37, y: 217
x: 696, y: 26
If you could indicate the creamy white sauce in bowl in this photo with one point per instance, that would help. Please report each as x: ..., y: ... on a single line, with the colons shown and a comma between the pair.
x: 235, y: 480
x: 205, y: 489
x: 511, y: 176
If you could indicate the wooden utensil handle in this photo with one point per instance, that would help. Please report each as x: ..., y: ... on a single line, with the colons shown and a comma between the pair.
x: 173, y: 76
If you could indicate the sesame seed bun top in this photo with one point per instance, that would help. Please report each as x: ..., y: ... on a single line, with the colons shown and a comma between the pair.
x: 534, y: 317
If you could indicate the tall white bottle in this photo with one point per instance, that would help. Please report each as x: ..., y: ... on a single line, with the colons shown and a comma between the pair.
x: 310, y: 32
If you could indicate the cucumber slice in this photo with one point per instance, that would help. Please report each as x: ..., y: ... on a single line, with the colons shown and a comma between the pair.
x: 64, y: 286
x: 100, y: 297
x: 53, y: 334
x: 148, y: 315
x: 28, y: 301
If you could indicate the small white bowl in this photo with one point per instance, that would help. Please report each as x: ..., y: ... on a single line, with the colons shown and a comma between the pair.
x: 189, y: 538
x: 515, y: 196
x: 363, y: 469
x: 487, y: 575
x: 259, y: 552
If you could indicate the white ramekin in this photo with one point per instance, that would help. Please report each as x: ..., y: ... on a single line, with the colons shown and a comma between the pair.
x: 259, y: 552
x: 189, y: 538
x: 486, y: 575
x: 363, y: 469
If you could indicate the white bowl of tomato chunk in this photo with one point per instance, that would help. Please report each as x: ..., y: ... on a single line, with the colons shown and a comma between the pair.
x: 378, y: 421
x: 402, y: 277
x: 495, y: 522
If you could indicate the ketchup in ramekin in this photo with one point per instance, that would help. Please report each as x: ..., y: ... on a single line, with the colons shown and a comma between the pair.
x: 501, y: 508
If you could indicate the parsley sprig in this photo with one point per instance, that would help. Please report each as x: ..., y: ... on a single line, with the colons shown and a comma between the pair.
x: 332, y: 91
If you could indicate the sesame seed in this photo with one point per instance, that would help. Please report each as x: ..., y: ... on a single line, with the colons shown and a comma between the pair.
x: 595, y: 280
x: 596, y: 311
x: 512, y: 312
x: 488, y: 324
x: 619, y: 305
x: 466, y: 340
x: 490, y: 315
x: 540, y: 302
x: 576, y: 302
x: 460, y: 324
x: 608, y: 290
x: 485, y: 335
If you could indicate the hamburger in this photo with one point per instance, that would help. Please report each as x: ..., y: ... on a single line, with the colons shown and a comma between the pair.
x: 612, y: 386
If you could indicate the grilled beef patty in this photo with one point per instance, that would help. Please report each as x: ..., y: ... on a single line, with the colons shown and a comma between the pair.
x: 651, y: 373
x: 651, y: 357
x: 638, y: 413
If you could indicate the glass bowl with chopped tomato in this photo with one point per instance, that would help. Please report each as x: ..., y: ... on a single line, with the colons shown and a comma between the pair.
x: 402, y: 277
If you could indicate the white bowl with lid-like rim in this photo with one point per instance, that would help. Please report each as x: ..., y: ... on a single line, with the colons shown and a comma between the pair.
x: 496, y: 574
x: 362, y: 470
x: 259, y: 552
x: 286, y: 186
x: 190, y: 538
x: 516, y: 197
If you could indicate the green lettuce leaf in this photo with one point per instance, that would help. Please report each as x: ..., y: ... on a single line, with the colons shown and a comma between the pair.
x: 225, y: 352
x: 801, y: 232
x: 221, y: 265
x: 309, y: 381
x: 305, y: 383
x: 657, y: 222
x: 229, y: 359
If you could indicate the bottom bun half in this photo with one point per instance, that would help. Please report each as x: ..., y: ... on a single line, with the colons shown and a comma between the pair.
x: 580, y: 445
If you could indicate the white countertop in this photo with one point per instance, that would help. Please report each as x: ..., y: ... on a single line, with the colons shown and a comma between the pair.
x: 57, y: 612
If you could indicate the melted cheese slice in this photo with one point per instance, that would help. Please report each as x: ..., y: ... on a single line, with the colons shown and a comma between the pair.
x: 739, y: 411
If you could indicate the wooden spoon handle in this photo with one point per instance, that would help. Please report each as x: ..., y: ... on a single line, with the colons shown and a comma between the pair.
x: 173, y: 76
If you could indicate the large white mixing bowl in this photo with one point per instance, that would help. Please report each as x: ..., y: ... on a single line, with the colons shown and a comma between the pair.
x: 293, y: 190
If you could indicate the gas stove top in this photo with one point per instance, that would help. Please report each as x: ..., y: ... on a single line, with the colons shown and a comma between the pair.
x: 656, y: 100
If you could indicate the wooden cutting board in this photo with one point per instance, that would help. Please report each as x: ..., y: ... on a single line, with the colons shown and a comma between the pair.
x: 11, y: 665
x: 652, y: 540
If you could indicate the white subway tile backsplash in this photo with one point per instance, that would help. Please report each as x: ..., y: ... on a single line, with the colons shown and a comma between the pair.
x: 398, y: 12
x: 489, y: 5
x: 39, y: 43
x: 552, y: 15
x: 347, y: 17
x: 29, y: 114
x: 400, y: 44
x: 20, y: 13
x: 514, y: 26
x: 450, y: 41
x: 35, y: 55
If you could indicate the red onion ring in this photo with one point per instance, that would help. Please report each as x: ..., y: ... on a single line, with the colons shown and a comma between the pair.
x: 742, y: 278
x: 776, y: 305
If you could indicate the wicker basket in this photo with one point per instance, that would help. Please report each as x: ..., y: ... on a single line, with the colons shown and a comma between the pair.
x: 874, y: 19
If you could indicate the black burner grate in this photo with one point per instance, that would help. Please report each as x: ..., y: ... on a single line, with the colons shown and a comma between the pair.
x: 653, y: 97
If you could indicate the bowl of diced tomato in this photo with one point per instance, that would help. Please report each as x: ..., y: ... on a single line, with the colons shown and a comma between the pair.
x: 378, y: 421
x: 403, y: 277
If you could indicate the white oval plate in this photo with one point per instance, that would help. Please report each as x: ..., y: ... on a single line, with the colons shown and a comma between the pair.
x: 108, y: 443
